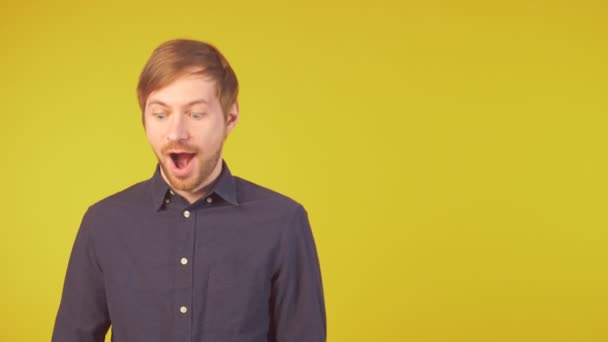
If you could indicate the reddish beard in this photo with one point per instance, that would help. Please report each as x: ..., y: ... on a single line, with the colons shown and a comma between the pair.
x: 174, y: 145
x: 205, y: 167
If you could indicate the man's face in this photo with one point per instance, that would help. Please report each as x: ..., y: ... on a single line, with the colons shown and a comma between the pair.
x: 186, y: 127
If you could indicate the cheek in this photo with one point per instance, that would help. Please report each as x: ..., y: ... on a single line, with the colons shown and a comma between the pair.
x: 154, y: 138
x: 216, y: 140
x: 210, y: 137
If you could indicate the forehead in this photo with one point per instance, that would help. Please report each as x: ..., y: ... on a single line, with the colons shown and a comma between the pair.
x: 184, y: 90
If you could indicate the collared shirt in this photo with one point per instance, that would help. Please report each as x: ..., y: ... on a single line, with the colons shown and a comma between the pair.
x: 238, y: 265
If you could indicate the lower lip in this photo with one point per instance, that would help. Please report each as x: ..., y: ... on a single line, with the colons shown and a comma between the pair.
x: 183, y: 172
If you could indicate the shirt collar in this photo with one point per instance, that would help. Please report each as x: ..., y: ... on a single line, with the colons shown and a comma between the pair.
x: 224, y: 186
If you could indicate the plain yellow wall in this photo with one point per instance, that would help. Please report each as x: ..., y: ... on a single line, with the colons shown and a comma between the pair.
x: 451, y: 154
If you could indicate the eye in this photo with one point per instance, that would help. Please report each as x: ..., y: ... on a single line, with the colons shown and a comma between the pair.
x: 159, y: 115
x: 197, y: 115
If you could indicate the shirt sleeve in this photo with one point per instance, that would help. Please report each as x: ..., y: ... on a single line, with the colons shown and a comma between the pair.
x: 297, y: 304
x: 83, y: 314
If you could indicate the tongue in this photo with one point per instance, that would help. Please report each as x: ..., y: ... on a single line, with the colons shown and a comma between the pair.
x: 182, y: 159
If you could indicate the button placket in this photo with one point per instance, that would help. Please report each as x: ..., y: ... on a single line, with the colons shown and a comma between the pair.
x: 183, y: 264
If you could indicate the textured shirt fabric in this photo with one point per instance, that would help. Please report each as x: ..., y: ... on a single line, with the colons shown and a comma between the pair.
x: 238, y: 265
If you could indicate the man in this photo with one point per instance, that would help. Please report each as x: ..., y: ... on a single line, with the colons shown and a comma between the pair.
x: 193, y: 253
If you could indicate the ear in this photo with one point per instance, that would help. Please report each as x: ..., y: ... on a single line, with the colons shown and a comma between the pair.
x: 233, y: 116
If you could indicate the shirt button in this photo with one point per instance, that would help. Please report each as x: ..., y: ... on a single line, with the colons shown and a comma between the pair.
x: 209, y: 199
x: 171, y: 192
x: 167, y: 201
x: 184, y: 261
x: 183, y: 309
x: 186, y: 214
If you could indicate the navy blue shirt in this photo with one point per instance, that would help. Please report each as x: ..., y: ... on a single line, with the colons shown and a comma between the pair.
x: 240, y: 264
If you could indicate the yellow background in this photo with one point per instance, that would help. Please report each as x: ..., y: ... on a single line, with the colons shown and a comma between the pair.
x: 451, y: 154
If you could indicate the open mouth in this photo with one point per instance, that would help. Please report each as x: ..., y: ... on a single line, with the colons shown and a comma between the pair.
x: 181, y: 160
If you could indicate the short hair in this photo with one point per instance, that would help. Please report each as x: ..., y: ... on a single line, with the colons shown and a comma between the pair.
x: 176, y: 58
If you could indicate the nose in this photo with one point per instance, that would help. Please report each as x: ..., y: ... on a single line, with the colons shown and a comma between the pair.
x: 178, y: 129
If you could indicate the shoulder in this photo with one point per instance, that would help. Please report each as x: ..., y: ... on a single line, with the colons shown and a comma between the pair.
x: 127, y: 199
x: 265, y: 200
x: 252, y: 194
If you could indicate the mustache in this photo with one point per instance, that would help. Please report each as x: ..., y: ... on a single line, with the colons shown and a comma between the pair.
x: 178, y: 146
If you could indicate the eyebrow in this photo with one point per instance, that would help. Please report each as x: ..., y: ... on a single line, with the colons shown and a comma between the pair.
x: 191, y: 103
